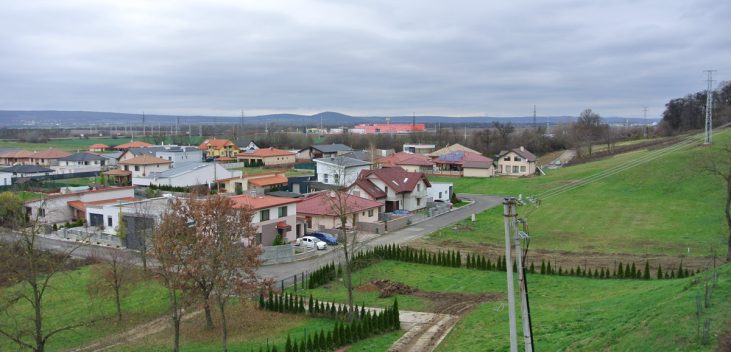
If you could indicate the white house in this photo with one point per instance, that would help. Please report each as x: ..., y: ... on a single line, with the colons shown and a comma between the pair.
x: 139, y: 216
x: 398, y: 188
x: 320, y: 210
x: 323, y: 151
x: 6, y: 178
x: 62, y: 207
x: 516, y: 162
x: 417, y: 148
x: 143, y: 165
x: 185, y: 175
x: 173, y: 153
x: 441, y: 191
x: 272, y: 216
x: 339, y: 170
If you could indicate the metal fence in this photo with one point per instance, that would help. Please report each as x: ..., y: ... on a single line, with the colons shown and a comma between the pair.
x: 89, y: 235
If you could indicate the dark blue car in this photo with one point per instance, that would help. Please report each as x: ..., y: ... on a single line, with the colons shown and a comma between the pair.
x: 325, y: 237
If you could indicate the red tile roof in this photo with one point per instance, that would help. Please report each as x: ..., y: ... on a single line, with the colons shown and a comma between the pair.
x: 97, y: 190
x: 391, y: 127
x: 260, y: 202
x: 98, y: 146
x: 403, y: 158
x: 51, y: 153
x: 321, y: 203
x: 215, y: 143
x: 265, y: 152
x: 145, y: 159
x: 369, y: 187
x: 396, y: 178
x: 17, y: 154
x: 133, y: 144
x: 269, y: 181
x: 79, y: 205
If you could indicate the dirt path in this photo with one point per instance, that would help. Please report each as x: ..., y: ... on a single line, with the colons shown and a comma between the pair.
x: 569, y: 260
x: 134, y: 334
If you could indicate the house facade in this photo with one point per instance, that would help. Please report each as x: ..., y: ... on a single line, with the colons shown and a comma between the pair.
x: 339, y: 170
x: 408, y: 161
x: 321, y: 210
x: 185, y: 175
x: 267, y: 157
x: 516, y: 162
x: 217, y: 148
x: 465, y: 163
x: 28, y: 171
x: 272, y: 216
x: 417, y: 148
x: 396, y: 187
x: 323, y: 151
x: 174, y: 153
x: 98, y: 147
x: 62, y: 207
x: 441, y: 191
x: 143, y: 165
x: 6, y: 178
x: 259, y: 183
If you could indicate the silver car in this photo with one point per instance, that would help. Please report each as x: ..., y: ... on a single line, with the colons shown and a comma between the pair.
x: 311, y: 242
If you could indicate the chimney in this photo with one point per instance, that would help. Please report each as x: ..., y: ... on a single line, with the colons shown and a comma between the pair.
x: 522, y: 148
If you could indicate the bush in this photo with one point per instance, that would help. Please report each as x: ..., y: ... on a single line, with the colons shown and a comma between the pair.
x: 278, y: 240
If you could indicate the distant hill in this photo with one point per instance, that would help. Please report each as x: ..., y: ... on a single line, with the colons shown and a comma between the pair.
x: 52, y: 118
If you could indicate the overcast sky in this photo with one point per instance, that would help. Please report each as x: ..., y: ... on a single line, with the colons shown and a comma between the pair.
x: 474, y: 58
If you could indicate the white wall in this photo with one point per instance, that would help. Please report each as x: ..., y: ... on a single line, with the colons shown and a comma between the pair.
x: 144, y: 170
x: 440, y: 191
x: 201, y: 176
x: 6, y: 179
x: 507, y: 167
x: 58, y: 211
x: 346, y: 175
x: 190, y: 154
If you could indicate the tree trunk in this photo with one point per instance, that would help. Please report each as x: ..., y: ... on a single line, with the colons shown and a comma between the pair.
x: 38, y: 310
x: 207, y: 308
x: 224, y: 325
x: 348, y: 276
x: 118, y: 302
x: 175, y: 319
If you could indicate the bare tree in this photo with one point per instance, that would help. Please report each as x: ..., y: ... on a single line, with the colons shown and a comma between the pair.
x: 113, y: 277
x: 588, y: 127
x: 34, y: 279
x: 720, y: 165
x: 171, y: 249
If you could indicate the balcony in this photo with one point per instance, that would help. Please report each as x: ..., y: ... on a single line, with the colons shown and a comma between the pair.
x: 420, y: 194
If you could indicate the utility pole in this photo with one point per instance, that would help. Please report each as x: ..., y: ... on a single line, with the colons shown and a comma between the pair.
x: 644, y: 121
x: 143, y: 124
x: 509, y: 207
x: 523, y: 285
x: 465, y: 132
x: 709, y: 109
x: 535, y: 124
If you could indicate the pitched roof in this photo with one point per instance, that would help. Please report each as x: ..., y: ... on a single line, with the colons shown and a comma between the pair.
x: 260, y: 202
x: 79, y: 205
x: 27, y: 169
x: 16, y: 154
x: 51, y: 153
x: 330, y: 148
x: 453, y: 148
x: 369, y: 187
x: 524, y: 153
x: 265, y: 152
x: 145, y: 159
x: 321, y: 203
x: 181, y: 169
x: 341, y: 161
x: 269, y: 181
x: 396, y: 178
x: 403, y: 158
x: 83, y: 157
x: 133, y: 144
x: 117, y: 172
x: 95, y: 190
x: 98, y: 146
x: 466, y: 159
x: 215, y: 143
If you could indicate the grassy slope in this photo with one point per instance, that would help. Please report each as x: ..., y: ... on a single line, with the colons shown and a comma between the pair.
x: 665, y: 207
x: 67, y: 302
x: 568, y: 313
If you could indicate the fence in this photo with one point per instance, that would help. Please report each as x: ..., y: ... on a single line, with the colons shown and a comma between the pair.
x: 89, y: 235
x: 229, y: 166
x: 277, y: 254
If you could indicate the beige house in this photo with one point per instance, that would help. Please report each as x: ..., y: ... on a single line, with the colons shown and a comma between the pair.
x: 396, y: 187
x: 516, y: 162
x: 143, y: 165
x: 258, y: 183
x: 272, y: 216
x: 450, y: 149
x: 267, y: 157
x: 320, y: 210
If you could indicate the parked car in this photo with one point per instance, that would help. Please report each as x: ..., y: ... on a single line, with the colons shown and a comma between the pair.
x: 311, y: 242
x: 325, y: 237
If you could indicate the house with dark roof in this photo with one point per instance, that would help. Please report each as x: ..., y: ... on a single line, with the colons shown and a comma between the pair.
x: 174, y: 153
x: 396, y: 187
x: 323, y: 151
x: 339, y: 170
x: 28, y: 170
x: 321, y: 210
x: 465, y: 163
x: 516, y: 162
x: 83, y: 159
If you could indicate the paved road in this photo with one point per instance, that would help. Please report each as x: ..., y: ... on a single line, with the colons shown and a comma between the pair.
x: 287, y: 270
x: 482, y: 203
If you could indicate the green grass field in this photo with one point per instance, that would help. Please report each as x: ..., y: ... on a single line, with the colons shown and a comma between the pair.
x: 77, y: 144
x: 665, y: 206
x: 568, y: 313
x: 67, y: 302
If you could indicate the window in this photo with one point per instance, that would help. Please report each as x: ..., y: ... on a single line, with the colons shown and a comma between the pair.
x: 440, y: 195
x: 137, y: 168
x: 41, y: 212
x: 324, y: 178
x: 517, y: 158
x: 418, y: 202
x: 282, y: 211
x: 126, y: 167
x: 258, y: 238
x: 507, y: 158
x: 264, y: 215
x: 418, y: 187
x: 385, y: 190
x: 515, y: 169
x: 370, y: 212
x: 308, y: 220
x: 109, y: 221
x: 522, y: 169
x: 336, y: 179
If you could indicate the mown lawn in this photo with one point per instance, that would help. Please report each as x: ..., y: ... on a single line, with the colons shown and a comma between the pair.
x: 71, y: 145
x: 568, y: 313
x: 67, y: 302
x: 668, y: 206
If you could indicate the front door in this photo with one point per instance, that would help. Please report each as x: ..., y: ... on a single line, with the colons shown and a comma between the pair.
x: 392, y: 205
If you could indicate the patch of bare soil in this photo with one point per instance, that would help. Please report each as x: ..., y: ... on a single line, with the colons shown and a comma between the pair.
x: 724, y: 340
x: 441, y: 302
x: 568, y: 260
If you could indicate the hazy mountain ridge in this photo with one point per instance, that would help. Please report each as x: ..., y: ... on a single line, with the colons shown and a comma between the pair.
x: 329, y: 118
